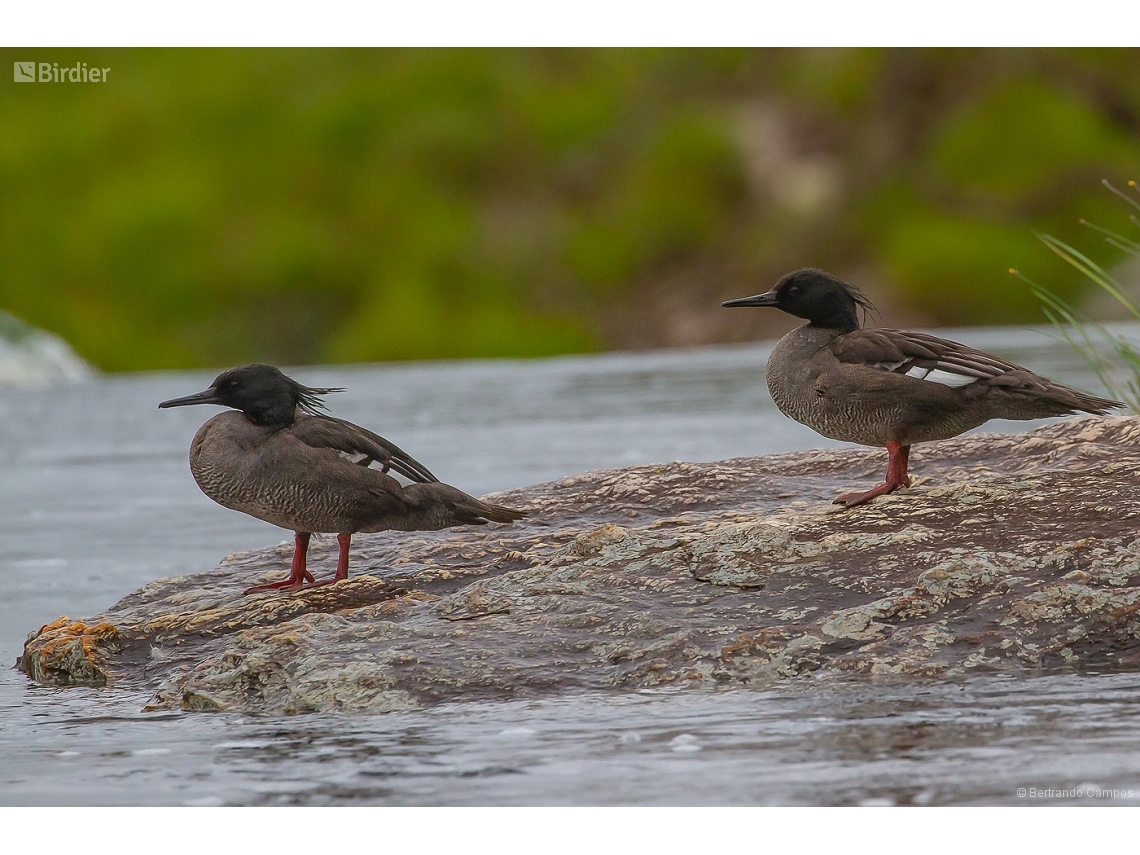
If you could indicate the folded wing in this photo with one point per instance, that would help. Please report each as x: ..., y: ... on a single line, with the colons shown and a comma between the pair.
x: 353, y: 440
x: 924, y: 357
x: 948, y: 363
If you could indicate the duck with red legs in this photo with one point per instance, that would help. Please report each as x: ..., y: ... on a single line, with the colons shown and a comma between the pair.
x: 276, y: 457
x: 892, y: 388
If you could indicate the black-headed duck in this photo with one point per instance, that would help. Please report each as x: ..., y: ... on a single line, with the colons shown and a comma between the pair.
x: 892, y: 388
x: 281, y: 460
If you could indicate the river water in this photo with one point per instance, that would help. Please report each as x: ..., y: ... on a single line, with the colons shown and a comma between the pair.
x: 96, y: 499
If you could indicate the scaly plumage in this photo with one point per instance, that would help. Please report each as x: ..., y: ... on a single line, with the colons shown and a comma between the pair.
x: 892, y: 388
x: 282, y: 461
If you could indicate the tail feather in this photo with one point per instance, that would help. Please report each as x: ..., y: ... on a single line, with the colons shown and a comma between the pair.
x: 1077, y: 401
x: 1098, y: 406
x: 437, y: 505
x: 474, y: 512
x: 1024, y: 395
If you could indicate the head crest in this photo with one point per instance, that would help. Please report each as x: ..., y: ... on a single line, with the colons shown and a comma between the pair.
x: 267, y: 395
x: 864, y: 304
x: 309, y: 398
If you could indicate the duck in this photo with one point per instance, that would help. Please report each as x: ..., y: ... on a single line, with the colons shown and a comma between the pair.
x: 277, y: 456
x: 892, y: 388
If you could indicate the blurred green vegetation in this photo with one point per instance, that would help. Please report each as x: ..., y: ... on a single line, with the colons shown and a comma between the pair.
x: 212, y: 207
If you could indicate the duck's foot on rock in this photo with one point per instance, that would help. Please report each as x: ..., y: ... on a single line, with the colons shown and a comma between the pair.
x: 899, y: 455
x: 291, y: 585
x: 851, y: 500
x: 1021, y: 556
x: 287, y: 585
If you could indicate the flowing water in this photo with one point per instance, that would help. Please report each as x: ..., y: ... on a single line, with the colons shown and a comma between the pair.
x: 96, y: 499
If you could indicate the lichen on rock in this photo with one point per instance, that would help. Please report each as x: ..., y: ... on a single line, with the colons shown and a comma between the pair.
x: 1015, y: 553
x: 67, y: 652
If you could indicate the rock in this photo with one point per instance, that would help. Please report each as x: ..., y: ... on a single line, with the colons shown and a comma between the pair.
x: 1013, y: 553
x: 70, y: 653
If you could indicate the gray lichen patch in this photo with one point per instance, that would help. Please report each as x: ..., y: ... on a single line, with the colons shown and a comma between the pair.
x: 1017, y: 553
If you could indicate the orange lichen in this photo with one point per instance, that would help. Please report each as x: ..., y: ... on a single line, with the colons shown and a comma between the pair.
x: 67, y: 652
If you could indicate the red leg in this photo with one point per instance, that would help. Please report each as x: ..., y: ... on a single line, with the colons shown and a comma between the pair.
x: 299, y: 573
x: 899, y: 456
x: 342, y: 562
x: 344, y: 539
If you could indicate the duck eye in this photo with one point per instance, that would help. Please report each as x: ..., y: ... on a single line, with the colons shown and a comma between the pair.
x: 795, y: 289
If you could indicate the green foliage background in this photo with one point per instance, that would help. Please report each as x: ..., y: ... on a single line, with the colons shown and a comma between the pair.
x: 212, y: 207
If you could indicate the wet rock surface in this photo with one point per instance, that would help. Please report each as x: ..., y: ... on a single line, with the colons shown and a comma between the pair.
x: 1011, y: 553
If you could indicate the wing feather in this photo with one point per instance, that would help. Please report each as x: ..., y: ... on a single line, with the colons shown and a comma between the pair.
x: 327, y: 432
x: 922, y: 356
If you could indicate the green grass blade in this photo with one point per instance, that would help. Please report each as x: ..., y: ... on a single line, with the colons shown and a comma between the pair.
x: 1122, y: 194
x: 1132, y: 247
x: 1090, y: 269
x: 1077, y: 329
x: 1056, y: 309
x: 1135, y: 253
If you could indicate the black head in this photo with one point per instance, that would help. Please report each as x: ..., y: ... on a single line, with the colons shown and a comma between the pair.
x: 825, y: 300
x: 262, y: 392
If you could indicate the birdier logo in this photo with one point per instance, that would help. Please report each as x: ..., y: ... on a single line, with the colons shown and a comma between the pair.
x: 50, y: 72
